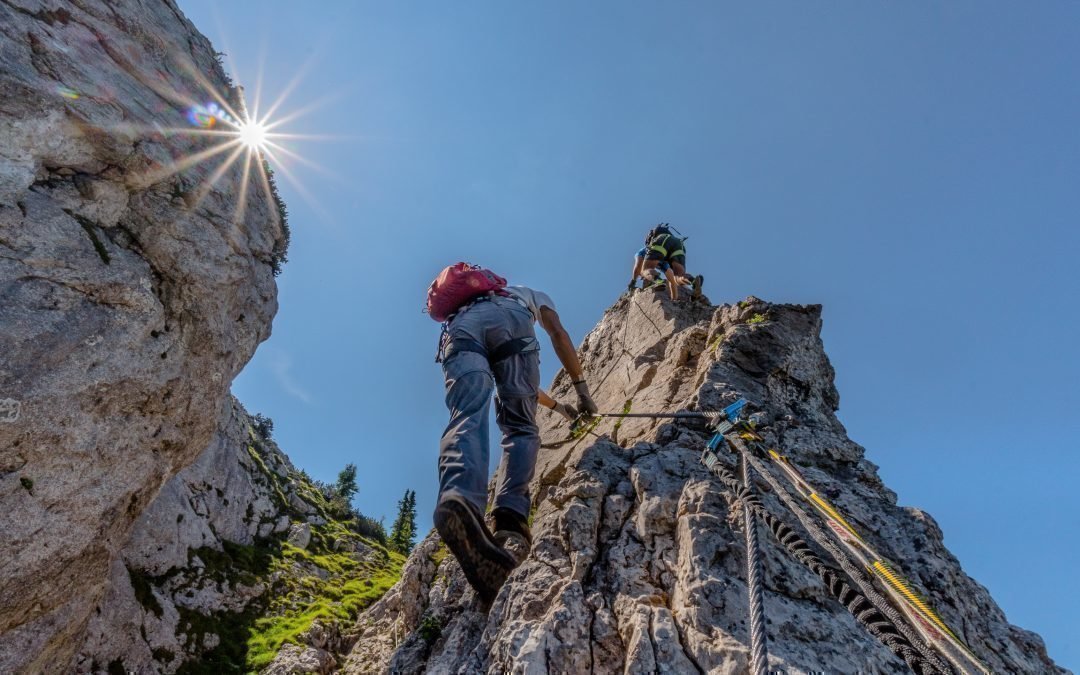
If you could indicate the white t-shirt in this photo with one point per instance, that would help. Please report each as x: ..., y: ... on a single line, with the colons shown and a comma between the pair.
x: 533, y: 300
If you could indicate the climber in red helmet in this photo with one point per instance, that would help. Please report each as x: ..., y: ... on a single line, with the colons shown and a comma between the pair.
x: 489, y: 345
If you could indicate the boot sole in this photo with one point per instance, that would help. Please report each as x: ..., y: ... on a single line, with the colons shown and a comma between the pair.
x: 485, y: 565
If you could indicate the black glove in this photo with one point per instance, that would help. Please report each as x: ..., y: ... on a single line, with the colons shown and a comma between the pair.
x: 632, y: 285
x: 585, y: 403
x: 567, y: 411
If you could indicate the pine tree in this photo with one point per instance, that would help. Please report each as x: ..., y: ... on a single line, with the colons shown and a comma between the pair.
x: 403, y: 533
x: 346, y: 483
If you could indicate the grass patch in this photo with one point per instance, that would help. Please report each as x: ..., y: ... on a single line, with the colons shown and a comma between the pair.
x: 715, y: 344
x: 625, y: 409
x: 300, y: 599
x: 757, y: 318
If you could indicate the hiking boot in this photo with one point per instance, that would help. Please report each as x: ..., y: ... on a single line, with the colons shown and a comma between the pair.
x: 485, y: 564
x: 512, y: 532
x: 696, y: 288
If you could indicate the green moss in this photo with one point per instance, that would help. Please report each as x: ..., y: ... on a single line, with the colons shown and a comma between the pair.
x: 625, y: 409
x: 274, y: 480
x: 143, y: 585
x: 296, y: 594
x: 237, y: 562
x: 340, y: 598
x: 439, y: 554
x: 300, y: 596
x: 233, y: 630
x: 430, y: 629
x: 757, y: 318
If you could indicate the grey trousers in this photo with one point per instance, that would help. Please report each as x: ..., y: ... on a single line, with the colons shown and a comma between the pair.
x: 470, y: 381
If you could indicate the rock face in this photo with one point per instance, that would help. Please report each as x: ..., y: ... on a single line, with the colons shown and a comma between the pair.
x: 637, y: 564
x: 213, y: 577
x: 132, y: 290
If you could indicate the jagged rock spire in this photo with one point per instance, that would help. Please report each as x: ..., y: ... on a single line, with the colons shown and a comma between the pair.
x: 637, y: 566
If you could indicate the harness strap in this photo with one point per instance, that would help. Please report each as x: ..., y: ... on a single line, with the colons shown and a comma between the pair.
x: 512, y: 347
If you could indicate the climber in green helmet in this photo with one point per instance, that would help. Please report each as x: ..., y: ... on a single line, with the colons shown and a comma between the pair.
x: 666, y: 253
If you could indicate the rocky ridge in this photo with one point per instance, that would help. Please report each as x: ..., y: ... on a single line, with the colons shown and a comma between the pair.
x: 638, y: 565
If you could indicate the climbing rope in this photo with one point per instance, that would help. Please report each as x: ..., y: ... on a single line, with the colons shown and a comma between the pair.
x: 759, y: 656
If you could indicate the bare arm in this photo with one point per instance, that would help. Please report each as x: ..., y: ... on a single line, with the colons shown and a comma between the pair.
x: 638, y: 262
x: 543, y: 399
x: 560, y: 340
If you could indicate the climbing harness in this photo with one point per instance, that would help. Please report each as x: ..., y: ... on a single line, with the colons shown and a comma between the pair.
x: 900, y: 618
x: 448, y: 347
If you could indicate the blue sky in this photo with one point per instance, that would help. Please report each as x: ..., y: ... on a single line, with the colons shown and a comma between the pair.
x: 912, y: 167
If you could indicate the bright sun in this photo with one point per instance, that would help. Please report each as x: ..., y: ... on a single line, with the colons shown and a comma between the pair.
x: 253, y: 134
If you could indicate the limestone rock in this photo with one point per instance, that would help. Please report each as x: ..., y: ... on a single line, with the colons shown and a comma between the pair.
x: 300, y: 535
x: 125, y: 310
x: 294, y: 659
x: 636, y: 567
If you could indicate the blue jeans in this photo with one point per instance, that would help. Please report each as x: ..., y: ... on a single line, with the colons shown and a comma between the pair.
x: 470, y: 381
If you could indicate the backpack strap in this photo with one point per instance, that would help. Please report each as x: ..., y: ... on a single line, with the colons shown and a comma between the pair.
x: 660, y: 245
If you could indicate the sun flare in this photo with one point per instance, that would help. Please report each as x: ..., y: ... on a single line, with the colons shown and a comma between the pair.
x: 228, y: 140
x: 253, y: 134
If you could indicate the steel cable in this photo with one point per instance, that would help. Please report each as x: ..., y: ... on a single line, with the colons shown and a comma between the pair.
x: 876, y: 623
x: 847, y: 565
x: 759, y: 655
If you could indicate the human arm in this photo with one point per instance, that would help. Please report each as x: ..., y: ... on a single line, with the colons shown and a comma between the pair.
x: 638, y: 263
x: 564, y: 349
x: 563, y: 409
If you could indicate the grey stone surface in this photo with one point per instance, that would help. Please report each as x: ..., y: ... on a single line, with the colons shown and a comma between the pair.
x: 300, y: 535
x: 225, y: 497
x: 127, y: 304
x: 636, y: 566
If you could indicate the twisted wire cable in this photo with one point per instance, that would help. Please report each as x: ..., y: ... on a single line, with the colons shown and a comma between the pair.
x: 864, y: 612
x: 759, y: 656
x: 852, y: 569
